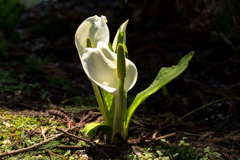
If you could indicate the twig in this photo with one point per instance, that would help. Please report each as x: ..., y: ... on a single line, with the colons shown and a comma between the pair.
x: 191, y: 134
x: 166, y: 136
x: 73, y: 136
x: 70, y: 147
x: 137, y: 122
x: 155, y: 134
x: 219, y: 100
x: 54, y: 154
x: 42, y: 138
x: 162, y: 137
x: 138, y: 151
x: 4, y: 118
x: 34, y: 146
x: 226, y: 39
x: 43, y: 131
x: 58, y: 113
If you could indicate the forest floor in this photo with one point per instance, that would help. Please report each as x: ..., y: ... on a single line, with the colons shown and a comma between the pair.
x: 45, y: 91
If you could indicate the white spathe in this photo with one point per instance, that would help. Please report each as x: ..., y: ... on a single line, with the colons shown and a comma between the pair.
x: 99, y: 62
x: 122, y: 28
x: 93, y: 27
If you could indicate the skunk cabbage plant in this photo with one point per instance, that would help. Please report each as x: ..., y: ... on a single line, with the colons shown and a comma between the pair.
x: 112, y: 75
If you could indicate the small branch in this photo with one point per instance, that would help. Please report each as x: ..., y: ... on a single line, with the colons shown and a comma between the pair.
x: 4, y: 118
x: 43, y: 131
x: 166, y: 136
x: 70, y: 147
x: 162, y: 137
x: 86, y: 139
x: 54, y: 154
x: 137, y: 122
x: 191, y: 134
x: 219, y: 100
x: 73, y: 136
x: 226, y: 39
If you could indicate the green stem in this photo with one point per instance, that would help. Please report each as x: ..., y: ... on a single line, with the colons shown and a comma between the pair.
x: 124, y: 112
x: 117, y: 122
x: 101, y: 104
x: 125, y: 130
x: 121, y: 89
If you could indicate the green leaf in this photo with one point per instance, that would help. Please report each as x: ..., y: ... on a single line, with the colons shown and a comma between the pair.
x: 101, y: 103
x: 108, y: 98
x: 109, y: 101
x: 165, y: 75
x: 91, y: 128
x: 120, y: 39
x: 124, y: 45
x: 110, y: 46
x: 125, y: 49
